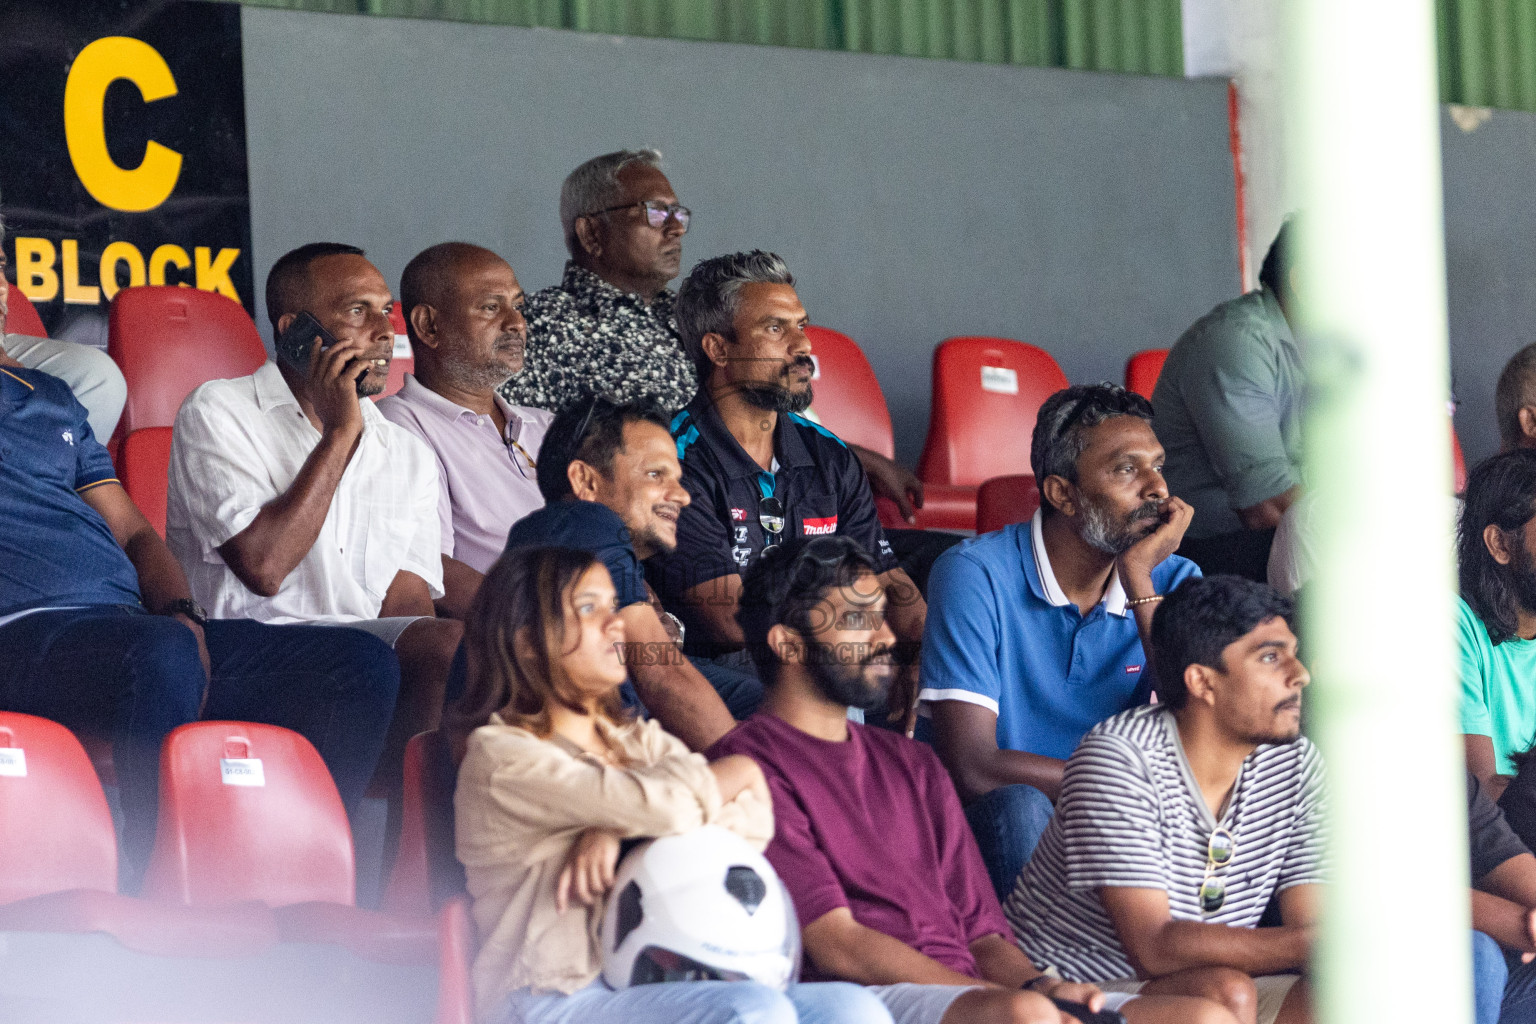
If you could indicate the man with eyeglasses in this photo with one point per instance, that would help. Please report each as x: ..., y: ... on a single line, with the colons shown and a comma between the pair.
x: 607, y: 327
x: 463, y: 311
x: 1179, y: 821
x: 758, y: 471
x: 1037, y: 632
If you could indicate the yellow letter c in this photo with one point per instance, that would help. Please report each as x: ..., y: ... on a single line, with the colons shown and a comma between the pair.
x: 98, y: 66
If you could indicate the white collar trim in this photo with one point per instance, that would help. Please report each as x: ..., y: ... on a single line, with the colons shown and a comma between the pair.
x: 1114, y: 594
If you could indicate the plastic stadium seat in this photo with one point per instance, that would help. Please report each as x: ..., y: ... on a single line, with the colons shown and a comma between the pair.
x: 403, y: 362
x: 21, y: 315
x: 248, y: 812
x: 55, y: 828
x: 849, y: 403
x: 1458, y: 465
x: 426, y: 873
x: 58, y: 858
x: 169, y: 340
x: 1005, y: 500
x: 143, y: 466
x: 986, y: 394
x: 1142, y: 370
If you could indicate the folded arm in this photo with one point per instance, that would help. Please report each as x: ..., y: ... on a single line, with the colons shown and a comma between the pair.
x: 1157, y: 945
x: 965, y: 737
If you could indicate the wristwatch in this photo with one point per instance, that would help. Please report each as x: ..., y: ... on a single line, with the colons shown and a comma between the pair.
x: 188, y: 607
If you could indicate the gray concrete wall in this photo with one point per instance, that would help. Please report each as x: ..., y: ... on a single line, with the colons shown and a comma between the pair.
x: 1490, y: 250
x: 914, y: 199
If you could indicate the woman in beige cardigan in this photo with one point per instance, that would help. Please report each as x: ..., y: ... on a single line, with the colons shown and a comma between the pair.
x: 553, y: 776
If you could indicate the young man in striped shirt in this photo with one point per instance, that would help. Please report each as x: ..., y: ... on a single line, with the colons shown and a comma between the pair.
x: 1180, y: 820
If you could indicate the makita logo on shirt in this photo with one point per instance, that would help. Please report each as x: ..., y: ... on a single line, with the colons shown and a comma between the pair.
x: 817, y: 527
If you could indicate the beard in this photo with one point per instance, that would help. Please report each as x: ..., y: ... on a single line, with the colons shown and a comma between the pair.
x: 1103, y: 532
x: 1522, y: 580
x: 777, y: 396
x: 847, y: 682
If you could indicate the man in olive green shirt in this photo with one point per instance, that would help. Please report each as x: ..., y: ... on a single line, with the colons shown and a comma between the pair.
x: 1227, y: 410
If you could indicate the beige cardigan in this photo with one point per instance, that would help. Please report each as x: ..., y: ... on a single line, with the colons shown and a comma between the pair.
x: 520, y: 804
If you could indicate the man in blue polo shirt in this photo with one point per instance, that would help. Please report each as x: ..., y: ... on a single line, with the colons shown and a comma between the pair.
x: 757, y: 471
x: 101, y: 633
x: 1038, y: 631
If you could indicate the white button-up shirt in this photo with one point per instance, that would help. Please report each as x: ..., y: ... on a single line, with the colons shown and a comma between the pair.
x: 488, y: 480
x: 239, y: 444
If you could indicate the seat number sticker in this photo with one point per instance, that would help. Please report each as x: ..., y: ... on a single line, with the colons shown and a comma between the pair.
x: 242, y: 771
x: 13, y: 762
x: 1000, y: 379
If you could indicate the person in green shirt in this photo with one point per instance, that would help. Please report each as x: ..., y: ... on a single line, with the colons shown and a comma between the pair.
x: 1496, y: 621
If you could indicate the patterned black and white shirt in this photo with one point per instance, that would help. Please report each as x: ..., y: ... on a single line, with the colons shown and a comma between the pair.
x: 1131, y: 816
x: 587, y: 337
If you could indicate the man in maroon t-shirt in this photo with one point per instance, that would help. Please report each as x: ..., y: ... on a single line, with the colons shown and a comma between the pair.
x: 870, y: 837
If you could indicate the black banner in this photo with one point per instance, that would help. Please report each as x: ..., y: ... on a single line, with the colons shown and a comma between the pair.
x: 122, y: 153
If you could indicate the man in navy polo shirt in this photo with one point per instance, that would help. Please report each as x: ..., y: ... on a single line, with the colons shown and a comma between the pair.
x: 1039, y: 630
x: 101, y: 633
x: 757, y: 470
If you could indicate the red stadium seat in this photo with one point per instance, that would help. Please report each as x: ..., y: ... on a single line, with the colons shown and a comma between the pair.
x: 55, y: 828
x: 249, y: 812
x: 21, y: 316
x: 403, y: 362
x: 1458, y: 465
x: 1005, y: 500
x: 1142, y: 370
x: 986, y: 394
x: 849, y: 403
x: 169, y: 340
x: 143, y: 466
x: 58, y: 858
x: 426, y: 872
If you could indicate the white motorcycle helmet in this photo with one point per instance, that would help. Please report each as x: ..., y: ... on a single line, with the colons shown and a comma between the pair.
x: 703, y: 906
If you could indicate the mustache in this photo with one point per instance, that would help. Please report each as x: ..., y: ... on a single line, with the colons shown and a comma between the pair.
x: 1288, y: 703
x: 1150, y: 509
x: 803, y: 362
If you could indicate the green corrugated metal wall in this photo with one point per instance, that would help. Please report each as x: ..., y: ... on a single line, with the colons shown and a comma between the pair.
x: 1487, y: 47
x: 1488, y: 52
x: 1141, y: 36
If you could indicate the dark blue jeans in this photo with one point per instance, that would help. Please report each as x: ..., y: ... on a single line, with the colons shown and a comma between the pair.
x: 1008, y: 822
x: 134, y: 677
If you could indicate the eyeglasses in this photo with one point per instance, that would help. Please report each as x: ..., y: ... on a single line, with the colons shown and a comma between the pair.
x: 770, y: 516
x: 1219, y: 850
x: 656, y: 212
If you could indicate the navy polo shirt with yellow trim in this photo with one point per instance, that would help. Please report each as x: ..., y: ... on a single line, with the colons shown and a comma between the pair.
x: 55, y: 550
x: 817, y: 480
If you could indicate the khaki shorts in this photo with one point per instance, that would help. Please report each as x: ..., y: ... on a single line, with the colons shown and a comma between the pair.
x: 1272, y: 989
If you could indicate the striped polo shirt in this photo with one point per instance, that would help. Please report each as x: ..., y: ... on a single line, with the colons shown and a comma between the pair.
x: 1131, y: 815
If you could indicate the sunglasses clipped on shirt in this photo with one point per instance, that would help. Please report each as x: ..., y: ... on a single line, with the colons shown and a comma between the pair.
x: 656, y: 212
x: 1219, y: 851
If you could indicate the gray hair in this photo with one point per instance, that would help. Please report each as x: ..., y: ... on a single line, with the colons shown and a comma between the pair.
x: 595, y: 185
x: 1515, y: 391
x: 709, y: 296
x: 1061, y: 428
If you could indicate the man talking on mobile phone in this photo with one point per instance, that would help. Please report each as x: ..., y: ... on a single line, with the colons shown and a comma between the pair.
x: 292, y: 499
x: 1039, y: 631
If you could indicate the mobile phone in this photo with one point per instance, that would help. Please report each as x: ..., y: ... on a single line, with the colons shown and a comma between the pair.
x: 293, y: 345
x: 1082, y: 1013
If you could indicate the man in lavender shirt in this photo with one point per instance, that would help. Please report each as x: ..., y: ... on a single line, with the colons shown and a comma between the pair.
x: 869, y: 834
x: 463, y: 311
